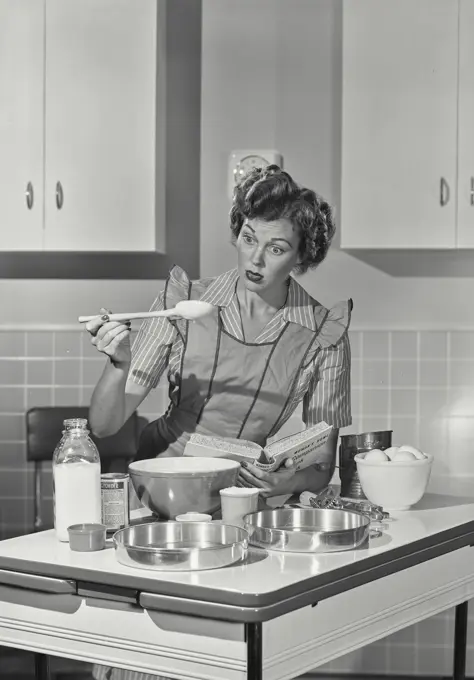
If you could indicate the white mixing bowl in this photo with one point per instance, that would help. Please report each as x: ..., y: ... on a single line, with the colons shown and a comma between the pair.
x: 395, y: 485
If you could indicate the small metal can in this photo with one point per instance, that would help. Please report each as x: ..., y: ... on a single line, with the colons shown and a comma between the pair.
x: 115, y: 500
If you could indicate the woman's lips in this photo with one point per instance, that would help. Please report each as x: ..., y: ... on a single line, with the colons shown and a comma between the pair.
x: 255, y: 277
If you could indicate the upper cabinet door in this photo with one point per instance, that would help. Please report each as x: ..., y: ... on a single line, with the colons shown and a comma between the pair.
x: 399, y: 123
x: 466, y: 126
x: 100, y: 126
x: 21, y: 124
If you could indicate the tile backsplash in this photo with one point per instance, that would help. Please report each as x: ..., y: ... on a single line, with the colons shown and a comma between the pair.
x: 420, y: 384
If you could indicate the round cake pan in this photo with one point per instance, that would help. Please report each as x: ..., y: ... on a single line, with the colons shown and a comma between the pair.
x: 307, y: 530
x: 180, y: 546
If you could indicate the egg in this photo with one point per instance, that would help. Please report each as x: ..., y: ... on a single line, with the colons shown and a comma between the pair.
x: 416, y: 452
x: 376, y: 455
x: 391, y: 451
x: 403, y: 455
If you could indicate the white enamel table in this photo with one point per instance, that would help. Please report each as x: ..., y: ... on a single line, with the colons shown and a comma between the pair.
x: 274, y: 617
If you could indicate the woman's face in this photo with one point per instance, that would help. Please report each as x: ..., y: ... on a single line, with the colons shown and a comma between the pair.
x: 267, y: 253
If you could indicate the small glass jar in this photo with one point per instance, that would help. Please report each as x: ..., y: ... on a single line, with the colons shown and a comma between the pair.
x: 76, y: 479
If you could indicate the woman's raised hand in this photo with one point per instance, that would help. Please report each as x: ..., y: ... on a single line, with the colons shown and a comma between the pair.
x: 111, y: 338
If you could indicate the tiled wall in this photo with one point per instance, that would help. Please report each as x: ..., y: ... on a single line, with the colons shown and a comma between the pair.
x: 420, y: 384
x: 42, y: 368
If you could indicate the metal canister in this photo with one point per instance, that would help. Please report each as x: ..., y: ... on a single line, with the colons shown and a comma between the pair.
x: 352, y: 444
x: 115, y: 500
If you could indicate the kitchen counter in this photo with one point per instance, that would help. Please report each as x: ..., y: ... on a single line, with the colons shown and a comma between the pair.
x: 307, y: 608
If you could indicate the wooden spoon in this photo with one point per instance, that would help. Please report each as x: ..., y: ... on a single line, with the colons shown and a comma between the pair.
x: 185, y: 309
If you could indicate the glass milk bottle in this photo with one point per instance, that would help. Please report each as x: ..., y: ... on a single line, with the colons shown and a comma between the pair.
x: 76, y: 479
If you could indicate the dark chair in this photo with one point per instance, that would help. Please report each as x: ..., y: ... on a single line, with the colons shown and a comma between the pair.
x: 44, y: 426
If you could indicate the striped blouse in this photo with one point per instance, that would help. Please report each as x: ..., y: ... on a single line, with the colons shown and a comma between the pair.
x: 323, y: 385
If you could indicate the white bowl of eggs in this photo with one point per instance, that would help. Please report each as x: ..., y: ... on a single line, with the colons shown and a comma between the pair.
x: 395, y: 478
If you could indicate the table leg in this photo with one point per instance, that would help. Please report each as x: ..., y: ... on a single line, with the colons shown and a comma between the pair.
x: 460, y: 639
x: 253, y: 635
x: 42, y: 671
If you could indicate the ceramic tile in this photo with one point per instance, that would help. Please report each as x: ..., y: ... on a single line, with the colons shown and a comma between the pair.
x: 404, y: 345
x: 434, y: 402
x: 16, y: 511
x: 67, y: 344
x: 12, y: 399
x: 433, y: 345
x: 375, y: 402
x: 12, y: 427
x: 375, y: 374
x: 14, y: 483
x: 12, y: 372
x: 403, y: 402
x: 375, y: 345
x: 429, y: 630
x: 39, y: 372
x: 401, y: 660
x: 434, y: 436
x: 460, y: 438
x: 39, y: 396
x: 462, y: 345
x: 67, y: 372
x: 433, y: 373
x: 66, y: 396
x: 375, y: 423
x: 405, y: 431
x: 403, y: 373
x: 39, y: 344
x: 461, y: 401
x: 435, y: 661
x: 12, y: 454
x: 12, y: 344
x: 462, y: 372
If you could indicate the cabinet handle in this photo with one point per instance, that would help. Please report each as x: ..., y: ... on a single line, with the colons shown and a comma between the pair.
x: 443, y: 192
x: 30, y: 196
x: 59, y: 195
x: 472, y: 190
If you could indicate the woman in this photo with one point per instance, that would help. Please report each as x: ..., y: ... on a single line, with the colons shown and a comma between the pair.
x: 242, y: 371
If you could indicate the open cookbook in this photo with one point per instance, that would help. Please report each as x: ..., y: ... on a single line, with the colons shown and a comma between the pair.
x: 303, y: 447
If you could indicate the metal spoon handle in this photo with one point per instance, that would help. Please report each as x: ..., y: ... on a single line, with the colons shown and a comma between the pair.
x: 122, y: 316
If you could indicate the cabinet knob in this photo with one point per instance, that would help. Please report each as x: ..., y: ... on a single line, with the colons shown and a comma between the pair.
x: 443, y: 192
x: 472, y: 190
x: 59, y: 195
x: 30, y: 196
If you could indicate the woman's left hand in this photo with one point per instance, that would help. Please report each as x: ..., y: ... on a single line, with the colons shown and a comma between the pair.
x: 269, y: 483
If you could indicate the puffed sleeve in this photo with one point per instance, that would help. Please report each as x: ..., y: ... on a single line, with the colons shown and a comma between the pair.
x: 328, y: 396
x: 152, y: 347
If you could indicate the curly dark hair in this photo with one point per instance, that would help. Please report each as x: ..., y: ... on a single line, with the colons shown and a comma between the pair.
x: 270, y: 193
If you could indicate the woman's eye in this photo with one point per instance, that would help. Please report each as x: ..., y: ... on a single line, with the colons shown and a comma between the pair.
x: 276, y: 251
x: 247, y: 238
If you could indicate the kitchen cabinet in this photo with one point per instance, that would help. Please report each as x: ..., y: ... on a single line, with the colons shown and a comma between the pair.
x: 21, y: 124
x: 465, y: 195
x: 407, y: 138
x: 80, y: 81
